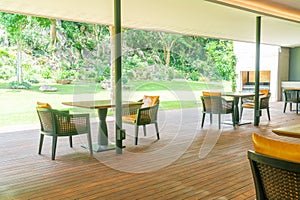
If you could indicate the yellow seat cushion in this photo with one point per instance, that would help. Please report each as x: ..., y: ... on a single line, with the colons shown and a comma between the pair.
x: 275, y: 148
x: 149, y: 101
x: 43, y: 105
x: 248, y: 105
x: 206, y: 93
x: 129, y: 119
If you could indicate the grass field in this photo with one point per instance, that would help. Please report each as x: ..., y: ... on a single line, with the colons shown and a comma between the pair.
x: 18, y: 106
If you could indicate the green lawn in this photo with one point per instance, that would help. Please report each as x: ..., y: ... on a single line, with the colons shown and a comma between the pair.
x: 18, y: 106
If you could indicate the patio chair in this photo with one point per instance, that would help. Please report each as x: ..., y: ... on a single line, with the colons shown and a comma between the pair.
x: 57, y: 123
x: 216, y: 105
x: 291, y: 96
x: 143, y: 115
x: 274, y: 178
x: 263, y: 104
x: 275, y: 168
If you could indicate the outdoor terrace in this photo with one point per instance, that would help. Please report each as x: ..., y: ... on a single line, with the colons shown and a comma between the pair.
x: 170, y: 168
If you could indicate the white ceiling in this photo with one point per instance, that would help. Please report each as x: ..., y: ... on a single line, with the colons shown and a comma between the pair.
x: 192, y: 17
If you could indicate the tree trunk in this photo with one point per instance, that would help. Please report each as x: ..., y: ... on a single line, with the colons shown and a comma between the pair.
x: 168, y: 57
x: 19, y: 64
x: 53, y: 32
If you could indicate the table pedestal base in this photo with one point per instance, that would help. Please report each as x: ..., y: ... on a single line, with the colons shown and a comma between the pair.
x: 100, y: 148
x: 242, y: 122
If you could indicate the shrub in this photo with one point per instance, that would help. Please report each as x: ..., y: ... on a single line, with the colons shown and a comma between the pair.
x: 6, y: 72
x: 17, y: 85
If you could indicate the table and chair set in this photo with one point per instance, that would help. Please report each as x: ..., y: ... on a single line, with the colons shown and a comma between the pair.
x: 232, y: 103
x: 275, y: 164
x: 60, y: 123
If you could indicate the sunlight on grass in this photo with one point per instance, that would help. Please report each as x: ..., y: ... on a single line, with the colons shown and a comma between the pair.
x: 18, y: 106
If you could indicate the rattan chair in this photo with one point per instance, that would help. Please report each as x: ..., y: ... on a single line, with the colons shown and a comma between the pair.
x: 274, y: 178
x: 57, y: 123
x: 141, y: 116
x: 216, y: 105
x: 263, y: 104
x: 291, y: 96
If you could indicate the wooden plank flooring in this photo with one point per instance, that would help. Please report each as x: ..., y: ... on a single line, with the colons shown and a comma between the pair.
x: 187, y: 163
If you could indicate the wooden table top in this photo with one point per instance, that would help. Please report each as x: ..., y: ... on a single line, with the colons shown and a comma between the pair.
x: 289, y: 131
x: 239, y: 94
x: 97, y: 104
x: 291, y: 88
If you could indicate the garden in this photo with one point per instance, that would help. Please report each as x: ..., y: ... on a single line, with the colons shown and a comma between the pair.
x: 73, y: 59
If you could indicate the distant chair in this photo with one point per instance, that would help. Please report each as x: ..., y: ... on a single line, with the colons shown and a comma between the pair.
x: 275, y: 168
x: 213, y: 103
x: 291, y: 96
x: 143, y: 115
x: 57, y: 123
x: 263, y: 103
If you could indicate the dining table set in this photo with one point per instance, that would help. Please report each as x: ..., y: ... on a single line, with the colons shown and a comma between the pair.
x: 102, y: 107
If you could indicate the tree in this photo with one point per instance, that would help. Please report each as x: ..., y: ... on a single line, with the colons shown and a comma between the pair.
x: 220, y: 54
x: 14, y: 25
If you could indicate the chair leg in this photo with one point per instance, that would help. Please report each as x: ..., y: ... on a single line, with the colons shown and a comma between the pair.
x: 71, y: 141
x: 136, y: 134
x: 233, y: 119
x: 90, y: 142
x: 211, y: 116
x: 157, y: 133
x: 203, y: 118
x: 219, y: 120
x: 268, y: 111
x: 41, y: 143
x: 144, y: 127
x: 284, y: 107
x: 291, y: 107
x: 54, y: 142
x: 296, y: 108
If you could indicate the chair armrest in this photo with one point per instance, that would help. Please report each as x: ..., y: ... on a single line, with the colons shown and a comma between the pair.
x: 64, y: 116
x: 131, y: 110
x: 247, y: 100
x: 227, y: 103
x: 228, y: 99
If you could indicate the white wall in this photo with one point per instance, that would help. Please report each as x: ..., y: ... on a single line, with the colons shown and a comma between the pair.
x: 269, y: 57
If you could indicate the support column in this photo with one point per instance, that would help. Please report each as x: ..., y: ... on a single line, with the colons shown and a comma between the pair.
x: 118, y: 74
x: 257, y: 70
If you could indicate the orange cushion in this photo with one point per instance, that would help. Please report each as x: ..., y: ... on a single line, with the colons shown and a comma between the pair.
x: 149, y: 101
x: 43, y: 105
x: 206, y: 93
x: 264, y: 92
x: 129, y: 119
x: 248, y: 105
x: 275, y: 148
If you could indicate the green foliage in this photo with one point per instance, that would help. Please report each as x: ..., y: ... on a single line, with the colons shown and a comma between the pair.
x: 82, y: 51
x: 46, y: 72
x: 6, y: 72
x: 17, y: 85
x: 220, y: 54
x: 63, y: 74
x: 14, y: 24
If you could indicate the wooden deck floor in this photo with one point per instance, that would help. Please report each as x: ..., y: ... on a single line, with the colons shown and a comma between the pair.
x: 187, y: 163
